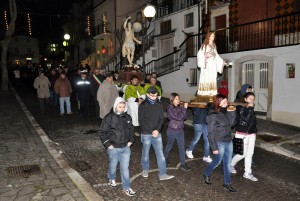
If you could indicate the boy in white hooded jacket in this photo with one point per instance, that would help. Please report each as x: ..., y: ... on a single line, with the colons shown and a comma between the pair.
x: 117, y: 135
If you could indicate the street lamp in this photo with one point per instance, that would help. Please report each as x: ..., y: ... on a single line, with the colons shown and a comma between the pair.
x: 67, y: 37
x: 66, y: 44
x: 149, y: 13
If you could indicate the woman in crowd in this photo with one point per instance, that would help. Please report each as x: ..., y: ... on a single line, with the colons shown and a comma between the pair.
x: 219, y: 135
x: 246, y: 130
x: 176, y: 116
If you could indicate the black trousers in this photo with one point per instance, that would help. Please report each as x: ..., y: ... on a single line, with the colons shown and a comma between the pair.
x: 84, y: 107
x: 43, y: 103
x: 96, y: 105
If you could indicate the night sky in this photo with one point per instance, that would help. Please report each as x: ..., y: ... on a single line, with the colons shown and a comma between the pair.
x: 47, y: 17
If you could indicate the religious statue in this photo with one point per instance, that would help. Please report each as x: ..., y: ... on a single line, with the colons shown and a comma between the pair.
x: 210, y: 64
x: 128, y: 47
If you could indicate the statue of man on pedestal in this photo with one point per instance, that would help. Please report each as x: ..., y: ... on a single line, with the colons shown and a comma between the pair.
x: 128, y: 47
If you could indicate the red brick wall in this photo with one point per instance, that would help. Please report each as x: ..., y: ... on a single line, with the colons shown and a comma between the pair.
x: 244, y: 11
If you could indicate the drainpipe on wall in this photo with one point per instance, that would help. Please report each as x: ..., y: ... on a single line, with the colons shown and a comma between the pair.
x: 199, y: 21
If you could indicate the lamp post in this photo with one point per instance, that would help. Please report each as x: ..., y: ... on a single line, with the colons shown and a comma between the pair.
x: 98, y: 61
x: 66, y: 44
x: 149, y: 13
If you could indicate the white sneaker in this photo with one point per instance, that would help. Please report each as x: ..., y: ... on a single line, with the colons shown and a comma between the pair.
x: 233, y: 170
x: 129, y: 192
x: 207, y: 159
x: 145, y: 173
x: 250, y: 176
x: 189, y: 154
x: 166, y: 177
x: 112, y: 183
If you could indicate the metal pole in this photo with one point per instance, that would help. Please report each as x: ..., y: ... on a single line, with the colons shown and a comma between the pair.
x: 199, y: 22
x: 143, y: 53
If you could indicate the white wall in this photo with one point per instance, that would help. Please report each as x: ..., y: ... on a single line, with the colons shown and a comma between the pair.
x: 176, y: 82
x: 177, y: 22
x: 286, y: 91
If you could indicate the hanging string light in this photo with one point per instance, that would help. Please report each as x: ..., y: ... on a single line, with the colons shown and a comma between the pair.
x: 104, y: 23
x: 88, y: 25
x: 5, y: 18
x: 29, y: 24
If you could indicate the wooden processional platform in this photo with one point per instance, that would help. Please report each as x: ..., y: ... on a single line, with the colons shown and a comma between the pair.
x: 128, y: 72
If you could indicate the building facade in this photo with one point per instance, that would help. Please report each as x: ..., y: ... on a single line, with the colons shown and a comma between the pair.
x: 261, y: 45
x: 98, y: 25
x: 23, y: 49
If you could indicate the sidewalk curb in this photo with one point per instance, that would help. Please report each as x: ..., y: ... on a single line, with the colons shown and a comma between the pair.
x: 275, y: 148
x: 76, y: 178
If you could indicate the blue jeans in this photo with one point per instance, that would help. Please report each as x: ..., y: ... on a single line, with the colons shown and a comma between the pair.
x: 157, y: 144
x: 180, y: 142
x: 122, y: 156
x: 53, y: 98
x: 200, y: 129
x: 225, y: 154
x: 62, y: 101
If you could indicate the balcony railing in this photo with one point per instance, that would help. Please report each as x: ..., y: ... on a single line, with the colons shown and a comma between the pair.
x: 269, y: 33
x: 148, y: 42
x: 167, y: 7
x: 164, y: 65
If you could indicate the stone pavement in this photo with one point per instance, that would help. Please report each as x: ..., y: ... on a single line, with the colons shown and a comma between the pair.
x: 78, y: 142
x: 28, y: 170
x: 275, y: 137
x: 79, y: 172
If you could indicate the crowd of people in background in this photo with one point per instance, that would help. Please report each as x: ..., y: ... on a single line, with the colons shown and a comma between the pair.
x: 85, y: 87
x: 133, y: 109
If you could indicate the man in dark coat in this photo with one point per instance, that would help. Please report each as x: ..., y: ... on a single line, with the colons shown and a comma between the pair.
x: 82, y: 86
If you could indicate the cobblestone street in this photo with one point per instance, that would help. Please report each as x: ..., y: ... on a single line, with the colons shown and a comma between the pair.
x: 79, y: 143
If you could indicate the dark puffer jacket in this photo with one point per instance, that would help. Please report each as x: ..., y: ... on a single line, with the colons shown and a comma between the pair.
x: 151, y: 117
x: 244, y: 117
x: 116, y: 130
x: 200, y: 115
x: 219, y: 127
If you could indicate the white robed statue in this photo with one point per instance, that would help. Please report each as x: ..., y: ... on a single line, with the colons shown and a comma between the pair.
x: 210, y: 64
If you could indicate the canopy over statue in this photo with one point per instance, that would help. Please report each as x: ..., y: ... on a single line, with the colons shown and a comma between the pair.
x: 210, y: 64
x: 128, y: 46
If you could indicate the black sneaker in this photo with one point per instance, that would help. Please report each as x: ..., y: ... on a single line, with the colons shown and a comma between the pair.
x: 185, y: 167
x: 206, y: 179
x: 228, y: 187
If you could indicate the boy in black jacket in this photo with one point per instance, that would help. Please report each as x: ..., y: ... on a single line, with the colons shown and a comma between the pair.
x: 151, y: 120
x: 116, y: 134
